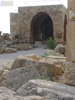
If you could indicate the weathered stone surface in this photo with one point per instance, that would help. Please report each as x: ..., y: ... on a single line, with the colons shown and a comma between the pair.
x: 38, y: 44
x: 22, y: 23
x: 4, y: 74
x: 10, y: 50
x: 56, y: 57
x: 25, y: 46
x: 70, y: 73
x: 16, y: 78
x: 1, y: 50
x: 7, y: 66
x: 50, y: 90
x: 58, y: 66
x: 5, y: 36
x: 6, y: 94
x: 58, y: 70
x: 59, y: 35
x: 33, y: 56
x: 1, y: 71
x: 8, y: 44
x: 50, y: 52
x: 60, y: 48
x: 14, y: 46
x: 70, y: 64
x: 42, y: 67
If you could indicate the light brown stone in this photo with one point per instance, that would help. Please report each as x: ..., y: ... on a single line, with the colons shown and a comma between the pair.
x: 70, y: 73
x: 7, y: 66
x: 70, y: 64
x: 32, y: 56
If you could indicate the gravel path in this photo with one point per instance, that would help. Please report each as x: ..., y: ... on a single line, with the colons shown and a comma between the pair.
x: 5, y: 57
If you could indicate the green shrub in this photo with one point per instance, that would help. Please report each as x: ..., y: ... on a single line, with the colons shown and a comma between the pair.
x: 51, y: 43
x: 62, y: 71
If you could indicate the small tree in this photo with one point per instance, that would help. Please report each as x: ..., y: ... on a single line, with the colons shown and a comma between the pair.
x: 51, y: 43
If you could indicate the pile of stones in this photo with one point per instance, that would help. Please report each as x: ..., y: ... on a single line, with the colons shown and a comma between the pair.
x: 20, y: 79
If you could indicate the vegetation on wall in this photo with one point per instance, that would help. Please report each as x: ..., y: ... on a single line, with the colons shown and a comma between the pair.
x: 64, y: 11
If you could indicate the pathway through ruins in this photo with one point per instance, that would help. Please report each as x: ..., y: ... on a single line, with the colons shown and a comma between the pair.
x: 5, y: 57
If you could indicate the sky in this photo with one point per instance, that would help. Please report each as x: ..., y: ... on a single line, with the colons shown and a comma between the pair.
x: 5, y: 10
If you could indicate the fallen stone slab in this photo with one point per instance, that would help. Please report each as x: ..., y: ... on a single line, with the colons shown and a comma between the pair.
x: 47, y: 89
x: 16, y: 78
x: 25, y: 46
x: 6, y: 94
x: 42, y: 67
x: 10, y: 50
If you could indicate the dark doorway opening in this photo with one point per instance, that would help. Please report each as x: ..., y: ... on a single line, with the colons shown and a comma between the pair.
x: 41, y: 27
x: 65, y: 23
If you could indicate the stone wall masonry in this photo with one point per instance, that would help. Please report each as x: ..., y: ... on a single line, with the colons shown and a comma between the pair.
x: 14, y: 24
x: 26, y: 14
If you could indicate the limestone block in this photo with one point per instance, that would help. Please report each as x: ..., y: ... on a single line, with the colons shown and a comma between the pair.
x: 7, y: 66
x: 60, y: 48
x: 32, y: 56
x: 49, y: 89
x: 14, y: 46
x: 73, y: 42
x: 25, y: 46
x: 42, y: 67
x: 16, y: 78
x: 56, y: 57
x: 10, y: 50
x: 70, y: 73
x: 58, y: 70
x: 1, y: 50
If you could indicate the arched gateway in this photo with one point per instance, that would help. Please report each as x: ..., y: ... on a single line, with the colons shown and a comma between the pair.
x: 37, y: 23
x: 41, y: 27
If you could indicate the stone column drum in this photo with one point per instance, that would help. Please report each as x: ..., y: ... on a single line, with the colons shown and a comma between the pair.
x: 70, y: 64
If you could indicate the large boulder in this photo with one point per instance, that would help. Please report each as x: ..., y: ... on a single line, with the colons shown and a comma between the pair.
x: 25, y: 46
x: 6, y: 94
x: 42, y: 67
x: 16, y: 78
x: 47, y: 89
x: 10, y: 50
x: 60, y: 48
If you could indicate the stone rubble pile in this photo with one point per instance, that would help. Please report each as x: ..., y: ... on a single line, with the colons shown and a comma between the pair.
x: 22, y: 78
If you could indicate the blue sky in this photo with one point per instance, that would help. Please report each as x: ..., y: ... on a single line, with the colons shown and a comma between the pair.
x: 5, y: 11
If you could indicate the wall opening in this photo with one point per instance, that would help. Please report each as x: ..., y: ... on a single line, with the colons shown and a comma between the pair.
x: 65, y: 23
x: 41, y: 27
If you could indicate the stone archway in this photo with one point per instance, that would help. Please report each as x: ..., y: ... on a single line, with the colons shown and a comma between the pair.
x: 41, y: 27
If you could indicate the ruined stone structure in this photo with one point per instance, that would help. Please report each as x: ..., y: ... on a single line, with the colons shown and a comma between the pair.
x: 70, y: 65
x: 38, y: 22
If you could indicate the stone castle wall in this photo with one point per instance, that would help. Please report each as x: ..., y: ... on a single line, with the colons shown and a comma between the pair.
x: 20, y: 23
